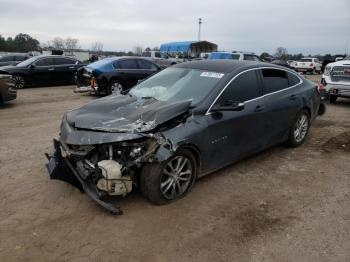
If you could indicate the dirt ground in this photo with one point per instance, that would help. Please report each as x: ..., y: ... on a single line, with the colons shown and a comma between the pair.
x: 281, y: 205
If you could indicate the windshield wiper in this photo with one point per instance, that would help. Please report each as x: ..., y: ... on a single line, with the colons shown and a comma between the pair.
x: 149, y: 97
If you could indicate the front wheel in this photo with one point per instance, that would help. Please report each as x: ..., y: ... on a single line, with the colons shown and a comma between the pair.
x: 299, y: 129
x: 169, y: 181
x: 18, y: 81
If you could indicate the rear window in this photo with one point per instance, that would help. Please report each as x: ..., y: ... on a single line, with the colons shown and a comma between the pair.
x: 274, y: 80
x: 306, y: 60
x: 146, y: 54
x: 293, y: 79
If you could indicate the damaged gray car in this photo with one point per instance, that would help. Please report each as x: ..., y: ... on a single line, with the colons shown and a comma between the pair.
x: 182, y: 123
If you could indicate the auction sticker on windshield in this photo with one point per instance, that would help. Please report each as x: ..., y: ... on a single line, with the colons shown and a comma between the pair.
x: 212, y: 74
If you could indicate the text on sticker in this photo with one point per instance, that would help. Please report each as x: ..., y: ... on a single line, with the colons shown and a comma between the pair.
x: 212, y: 74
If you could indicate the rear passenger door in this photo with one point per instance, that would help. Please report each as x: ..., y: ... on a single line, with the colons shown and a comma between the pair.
x: 282, y: 102
x: 147, y: 68
x: 128, y: 72
x: 64, y: 69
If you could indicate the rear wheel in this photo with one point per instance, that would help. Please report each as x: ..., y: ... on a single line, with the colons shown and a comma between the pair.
x: 115, y: 87
x: 300, y: 129
x: 18, y: 81
x: 332, y: 99
x: 169, y: 181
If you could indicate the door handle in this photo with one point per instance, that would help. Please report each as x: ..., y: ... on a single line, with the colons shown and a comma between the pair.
x: 71, y: 67
x: 51, y: 69
x: 293, y: 97
x: 259, y: 108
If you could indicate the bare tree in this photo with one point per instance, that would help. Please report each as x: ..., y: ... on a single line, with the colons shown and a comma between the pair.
x: 97, y: 47
x: 281, y: 52
x: 71, y: 44
x: 57, y: 43
x: 138, y: 50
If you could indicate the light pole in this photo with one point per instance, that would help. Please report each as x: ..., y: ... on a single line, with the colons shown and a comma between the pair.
x: 199, y: 28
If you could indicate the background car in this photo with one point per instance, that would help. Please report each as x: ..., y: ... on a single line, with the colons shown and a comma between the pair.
x: 308, y: 65
x: 336, y: 79
x: 234, y: 56
x: 114, y: 74
x: 12, y: 59
x: 182, y: 123
x: 280, y: 62
x: 161, y: 59
x: 7, y: 90
x: 43, y: 70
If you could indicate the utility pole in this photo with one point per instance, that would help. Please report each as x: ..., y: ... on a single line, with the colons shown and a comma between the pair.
x: 199, y: 28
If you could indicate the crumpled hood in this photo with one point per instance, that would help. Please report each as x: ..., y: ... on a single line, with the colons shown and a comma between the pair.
x: 125, y: 114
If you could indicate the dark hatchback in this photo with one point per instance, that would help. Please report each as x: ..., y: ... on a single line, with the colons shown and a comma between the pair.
x: 180, y: 124
x: 43, y: 70
x: 115, y: 74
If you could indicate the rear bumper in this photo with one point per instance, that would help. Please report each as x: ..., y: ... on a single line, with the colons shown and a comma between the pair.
x: 60, y: 168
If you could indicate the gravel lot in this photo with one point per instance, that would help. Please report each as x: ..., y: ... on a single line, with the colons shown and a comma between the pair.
x: 281, y: 205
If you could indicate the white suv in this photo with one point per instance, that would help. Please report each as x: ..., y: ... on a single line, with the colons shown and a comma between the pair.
x: 308, y: 64
x: 336, y: 79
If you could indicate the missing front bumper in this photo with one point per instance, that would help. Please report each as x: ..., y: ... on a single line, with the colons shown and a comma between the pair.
x: 60, y: 168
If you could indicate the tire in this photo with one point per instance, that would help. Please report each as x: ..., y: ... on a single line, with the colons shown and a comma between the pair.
x: 300, y: 129
x: 115, y: 86
x: 74, y: 79
x: 332, y: 99
x: 154, y: 178
x: 19, y: 81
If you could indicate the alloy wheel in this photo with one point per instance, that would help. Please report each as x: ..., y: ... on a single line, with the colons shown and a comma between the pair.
x: 301, y: 128
x: 18, y: 81
x: 116, y: 88
x: 176, y: 177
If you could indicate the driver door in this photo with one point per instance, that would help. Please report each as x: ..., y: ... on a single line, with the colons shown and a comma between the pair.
x: 237, y: 133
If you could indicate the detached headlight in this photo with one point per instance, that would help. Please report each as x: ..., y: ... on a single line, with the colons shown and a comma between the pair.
x: 327, y: 70
x: 5, y: 76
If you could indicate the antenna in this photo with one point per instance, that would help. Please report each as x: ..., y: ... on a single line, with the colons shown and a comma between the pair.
x: 199, y: 28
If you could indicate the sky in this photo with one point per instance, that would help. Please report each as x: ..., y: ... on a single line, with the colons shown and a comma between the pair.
x: 301, y: 26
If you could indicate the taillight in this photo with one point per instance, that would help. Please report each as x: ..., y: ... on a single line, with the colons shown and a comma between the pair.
x: 92, y: 82
x: 311, y: 64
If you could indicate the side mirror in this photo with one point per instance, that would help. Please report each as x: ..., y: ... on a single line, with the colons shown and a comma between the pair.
x: 235, y: 106
x: 32, y: 66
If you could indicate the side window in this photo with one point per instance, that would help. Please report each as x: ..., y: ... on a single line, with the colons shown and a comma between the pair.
x: 44, y: 62
x: 127, y: 64
x: 245, y: 87
x: 235, y: 57
x: 63, y: 61
x: 293, y: 79
x: 274, y: 80
x: 144, y: 64
x: 157, y: 54
x: 19, y: 58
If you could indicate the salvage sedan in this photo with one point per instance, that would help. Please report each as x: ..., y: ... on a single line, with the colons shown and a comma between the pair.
x: 180, y: 124
x: 114, y: 74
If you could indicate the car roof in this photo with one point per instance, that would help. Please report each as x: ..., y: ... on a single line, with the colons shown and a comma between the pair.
x: 222, y: 65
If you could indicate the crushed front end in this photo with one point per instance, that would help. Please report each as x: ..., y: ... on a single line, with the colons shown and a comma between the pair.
x: 101, y: 170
